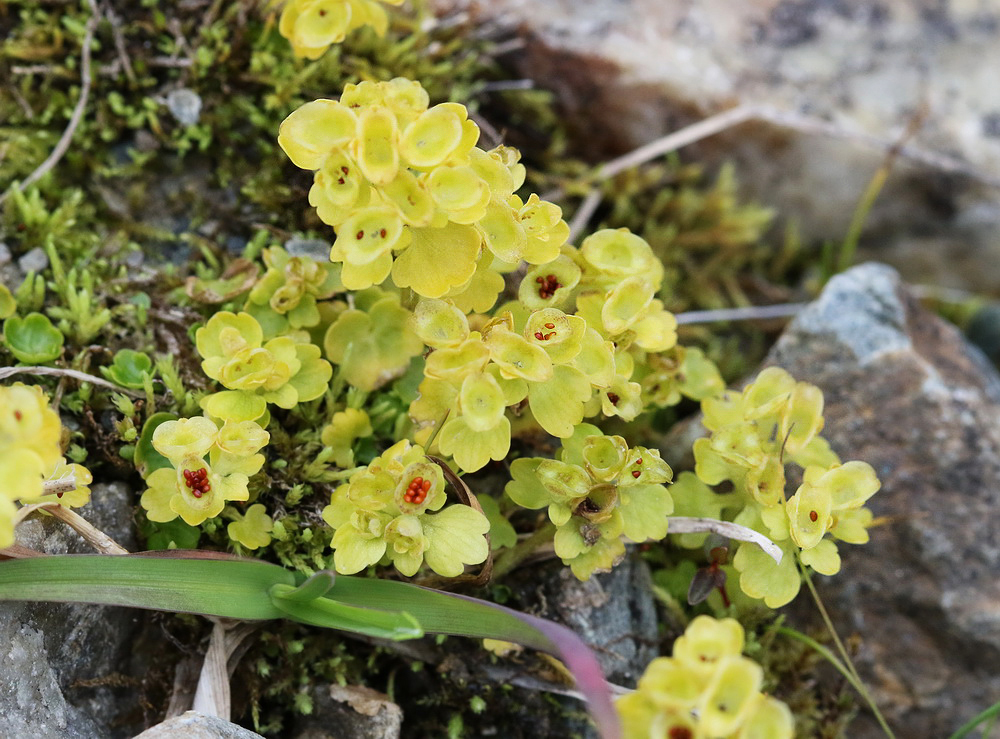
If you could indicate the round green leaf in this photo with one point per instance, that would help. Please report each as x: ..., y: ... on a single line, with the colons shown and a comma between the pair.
x: 33, y: 339
x: 130, y: 369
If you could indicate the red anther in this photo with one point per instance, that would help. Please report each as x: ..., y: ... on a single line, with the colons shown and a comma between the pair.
x: 344, y: 169
x: 382, y: 233
x: 636, y: 473
x: 425, y: 485
x: 549, y: 336
x: 360, y: 235
x: 539, y: 336
x: 679, y: 732
x: 322, y: 13
x: 614, y: 398
x: 550, y: 325
x: 639, y: 460
x: 813, y: 515
x: 550, y: 278
x: 197, y: 482
x: 340, y: 180
x: 539, y: 280
x: 18, y: 415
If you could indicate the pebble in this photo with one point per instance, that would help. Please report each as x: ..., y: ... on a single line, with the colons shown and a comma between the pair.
x: 34, y: 261
x: 184, y: 105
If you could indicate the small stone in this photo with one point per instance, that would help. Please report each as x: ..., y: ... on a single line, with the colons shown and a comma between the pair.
x: 317, y: 249
x: 34, y: 261
x: 5, y: 255
x: 349, y: 712
x: 194, y: 725
x: 184, y: 105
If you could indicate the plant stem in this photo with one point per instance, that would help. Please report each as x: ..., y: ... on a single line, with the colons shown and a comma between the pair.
x: 858, y: 683
x: 516, y: 554
x: 823, y: 652
x: 990, y: 714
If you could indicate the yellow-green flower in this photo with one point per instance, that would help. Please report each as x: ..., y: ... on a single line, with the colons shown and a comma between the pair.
x: 312, y: 26
x: 253, y: 529
x: 394, y: 512
x: 280, y: 371
x: 196, y: 488
x: 410, y: 196
x: 596, y: 492
x: 707, y: 688
x: 290, y: 289
x: 30, y: 446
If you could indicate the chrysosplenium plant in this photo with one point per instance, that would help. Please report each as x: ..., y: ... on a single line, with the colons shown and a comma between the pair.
x: 444, y: 270
x: 32, y: 466
x: 452, y: 318
x: 706, y: 689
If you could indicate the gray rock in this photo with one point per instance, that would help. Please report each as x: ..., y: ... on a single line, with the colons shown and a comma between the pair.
x: 184, y: 106
x: 194, y: 725
x: 629, y: 71
x: 5, y: 255
x: 614, y: 613
x: 33, y: 261
x: 907, y: 394
x: 58, y: 662
x: 350, y: 712
x: 318, y: 249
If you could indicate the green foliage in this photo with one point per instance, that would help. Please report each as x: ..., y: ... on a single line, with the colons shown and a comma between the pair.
x: 394, y: 510
x: 33, y: 339
x: 130, y: 369
x: 598, y: 492
x: 752, y: 434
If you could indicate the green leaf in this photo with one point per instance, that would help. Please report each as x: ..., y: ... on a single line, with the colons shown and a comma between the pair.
x: 171, y: 535
x: 384, y: 624
x: 130, y: 369
x: 215, y: 584
x: 7, y: 303
x: 231, y: 588
x: 147, y: 459
x: 33, y: 339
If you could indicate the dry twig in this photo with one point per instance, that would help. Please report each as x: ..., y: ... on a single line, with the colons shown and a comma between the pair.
x: 6, y: 372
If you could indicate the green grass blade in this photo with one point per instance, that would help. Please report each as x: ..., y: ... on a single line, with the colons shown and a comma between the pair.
x: 211, y: 587
x: 384, y: 624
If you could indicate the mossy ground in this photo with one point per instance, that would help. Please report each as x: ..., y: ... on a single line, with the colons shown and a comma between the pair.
x: 143, y: 201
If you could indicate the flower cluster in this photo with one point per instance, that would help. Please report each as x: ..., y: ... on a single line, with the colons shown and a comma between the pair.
x: 209, y: 466
x: 312, y: 26
x: 409, y: 193
x: 598, y: 491
x: 706, y: 689
x: 280, y: 371
x: 611, y: 282
x: 286, y: 297
x: 393, y: 512
x: 754, y: 434
x: 551, y: 361
x: 31, y: 460
x: 573, y: 346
